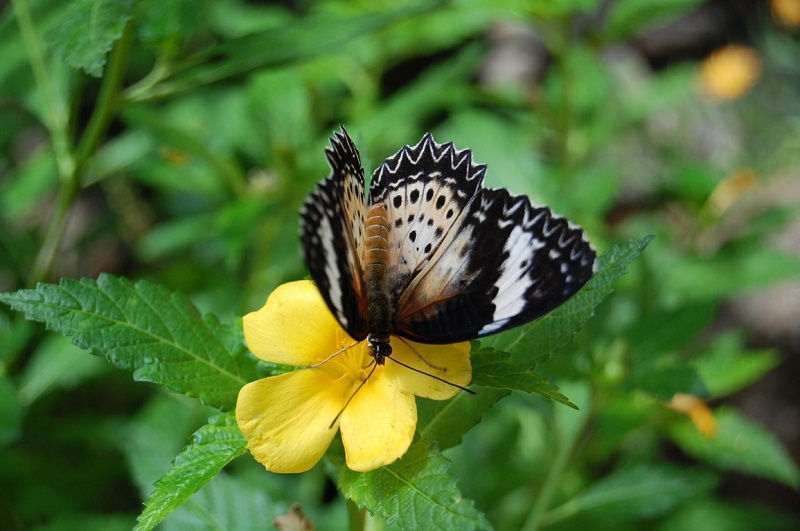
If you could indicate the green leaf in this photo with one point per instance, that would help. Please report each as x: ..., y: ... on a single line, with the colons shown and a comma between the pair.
x: 654, y: 345
x: 668, y: 330
x: 535, y: 342
x: 54, y: 365
x: 638, y: 491
x: 664, y: 382
x: 167, y: 23
x: 156, y: 435
x: 69, y: 521
x: 144, y: 328
x: 294, y: 41
x: 728, y: 365
x: 570, y: 423
x: 213, y: 446
x: 445, y: 421
x: 560, y: 8
x: 226, y: 503
x: 729, y: 272
x: 88, y: 31
x: 416, y: 492
x: 729, y: 515
x: 740, y: 445
x: 28, y: 184
x: 626, y: 19
x: 12, y: 412
x: 500, y: 370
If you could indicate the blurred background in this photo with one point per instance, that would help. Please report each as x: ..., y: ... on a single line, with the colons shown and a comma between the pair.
x: 175, y: 140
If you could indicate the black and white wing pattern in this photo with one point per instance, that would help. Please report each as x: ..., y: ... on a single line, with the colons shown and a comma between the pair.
x: 464, y: 261
x: 332, y: 233
x: 470, y: 261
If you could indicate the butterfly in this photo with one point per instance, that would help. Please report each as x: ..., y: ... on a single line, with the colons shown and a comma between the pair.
x: 432, y: 255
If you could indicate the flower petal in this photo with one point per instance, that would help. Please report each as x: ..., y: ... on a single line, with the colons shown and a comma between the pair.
x: 378, y: 424
x: 455, y: 358
x: 287, y: 419
x: 294, y: 327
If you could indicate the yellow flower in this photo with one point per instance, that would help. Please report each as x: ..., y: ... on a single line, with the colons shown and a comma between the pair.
x: 697, y: 410
x: 729, y: 72
x: 290, y: 420
x: 786, y: 11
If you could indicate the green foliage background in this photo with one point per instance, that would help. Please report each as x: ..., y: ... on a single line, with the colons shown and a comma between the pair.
x: 172, y: 142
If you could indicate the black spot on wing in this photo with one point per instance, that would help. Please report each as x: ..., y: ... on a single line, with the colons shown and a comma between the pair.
x: 425, y: 187
x: 427, y: 161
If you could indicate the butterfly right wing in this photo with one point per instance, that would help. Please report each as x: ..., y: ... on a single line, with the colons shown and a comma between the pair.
x: 506, y: 263
x: 332, y: 226
x: 468, y: 261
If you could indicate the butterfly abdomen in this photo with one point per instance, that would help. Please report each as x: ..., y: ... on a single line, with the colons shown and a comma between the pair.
x: 376, y: 276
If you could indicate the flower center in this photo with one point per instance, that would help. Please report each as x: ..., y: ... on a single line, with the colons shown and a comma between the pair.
x: 352, y: 364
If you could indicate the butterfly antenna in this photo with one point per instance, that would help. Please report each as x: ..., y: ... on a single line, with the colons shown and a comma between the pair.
x: 420, y: 356
x: 317, y: 364
x: 470, y: 391
x: 374, y: 366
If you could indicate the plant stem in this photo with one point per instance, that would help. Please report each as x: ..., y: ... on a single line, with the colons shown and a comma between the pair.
x: 45, y: 258
x: 355, y: 517
x: 361, y: 520
x: 107, y: 99
x: 54, y: 116
x: 564, y: 452
x: 56, y: 119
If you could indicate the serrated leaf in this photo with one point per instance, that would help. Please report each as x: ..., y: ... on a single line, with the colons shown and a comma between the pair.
x: 144, y: 328
x: 88, y: 31
x: 739, y: 444
x: 535, y: 342
x: 500, y: 370
x: 638, y: 491
x: 416, y: 492
x: 213, y: 446
x: 445, y: 421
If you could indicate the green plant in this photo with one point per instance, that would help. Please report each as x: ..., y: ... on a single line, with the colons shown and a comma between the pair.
x: 175, y: 147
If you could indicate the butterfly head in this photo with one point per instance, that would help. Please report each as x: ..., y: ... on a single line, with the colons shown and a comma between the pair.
x: 379, y: 348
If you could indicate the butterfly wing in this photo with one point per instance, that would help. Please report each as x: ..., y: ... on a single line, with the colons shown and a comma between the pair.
x: 332, y: 227
x: 425, y: 189
x: 484, y: 261
x: 508, y: 263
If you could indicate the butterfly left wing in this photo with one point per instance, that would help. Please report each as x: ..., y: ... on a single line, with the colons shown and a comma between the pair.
x: 332, y: 225
x: 506, y: 263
